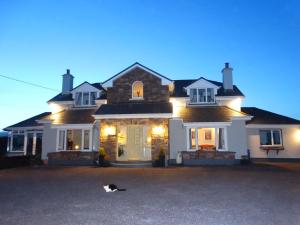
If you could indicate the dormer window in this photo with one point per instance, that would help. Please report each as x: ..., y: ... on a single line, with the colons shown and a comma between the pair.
x: 85, y: 98
x: 137, y: 90
x: 202, y: 95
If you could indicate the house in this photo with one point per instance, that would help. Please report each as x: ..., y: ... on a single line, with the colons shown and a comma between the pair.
x: 138, y: 114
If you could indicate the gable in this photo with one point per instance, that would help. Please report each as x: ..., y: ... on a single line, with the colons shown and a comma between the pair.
x: 109, y: 82
x: 85, y: 86
x: 201, y: 83
x: 122, y: 87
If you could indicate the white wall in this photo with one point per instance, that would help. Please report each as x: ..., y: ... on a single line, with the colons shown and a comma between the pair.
x: 237, y: 138
x: 177, y: 137
x: 49, y: 140
x: 291, y: 143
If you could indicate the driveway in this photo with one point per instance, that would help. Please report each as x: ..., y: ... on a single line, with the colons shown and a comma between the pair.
x: 257, y: 194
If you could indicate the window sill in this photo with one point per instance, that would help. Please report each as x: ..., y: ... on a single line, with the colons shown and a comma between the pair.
x: 202, y: 103
x: 136, y: 99
x: 268, y: 148
x: 75, y: 150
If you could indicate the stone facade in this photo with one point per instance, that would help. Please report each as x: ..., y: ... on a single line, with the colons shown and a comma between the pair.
x: 72, y: 158
x: 122, y: 87
x: 208, y: 155
x: 109, y: 142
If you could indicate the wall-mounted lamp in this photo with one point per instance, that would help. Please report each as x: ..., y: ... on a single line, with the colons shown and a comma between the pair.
x: 158, y: 131
x: 109, y: 130
x: 297, y: 135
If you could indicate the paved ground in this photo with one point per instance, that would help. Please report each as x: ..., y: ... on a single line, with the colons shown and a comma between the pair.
x: 262, y: 194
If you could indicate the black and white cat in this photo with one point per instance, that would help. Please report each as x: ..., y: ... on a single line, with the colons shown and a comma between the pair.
x: 112, y: 188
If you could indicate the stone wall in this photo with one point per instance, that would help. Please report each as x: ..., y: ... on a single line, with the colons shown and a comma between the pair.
x: 122, y: 87
x: 109, y: 142
x: 199, y: 154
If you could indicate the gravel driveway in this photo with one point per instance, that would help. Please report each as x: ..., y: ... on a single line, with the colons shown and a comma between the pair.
x: 257, y: 194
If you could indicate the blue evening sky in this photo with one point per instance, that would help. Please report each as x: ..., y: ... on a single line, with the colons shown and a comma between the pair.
x: 39, y: 40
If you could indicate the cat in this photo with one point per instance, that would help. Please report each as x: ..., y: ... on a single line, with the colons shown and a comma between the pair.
x: 112, y: 188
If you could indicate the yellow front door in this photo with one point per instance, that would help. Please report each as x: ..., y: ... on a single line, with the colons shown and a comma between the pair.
x: 134, y: 145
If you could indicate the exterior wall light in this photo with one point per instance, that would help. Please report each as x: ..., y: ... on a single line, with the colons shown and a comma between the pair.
x: 76, y: 147
x: 158, y: 131
x: 109, y: 130
x: 297, y: 135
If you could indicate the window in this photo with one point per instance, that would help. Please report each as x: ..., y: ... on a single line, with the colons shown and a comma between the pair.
x: 61, y: 139
x: 18, y: 142
x: 210, y: 95
x: 93, y: 98
x: 192, y: 137
x: 193, y: 95
x: 202, y: 95
x: 206, y: 138
x: 75, y: 139
x: 85, y: 98
x: 270, y: 137
x: 137, y: 90
x: 86, y: 139
x: 78, y: 98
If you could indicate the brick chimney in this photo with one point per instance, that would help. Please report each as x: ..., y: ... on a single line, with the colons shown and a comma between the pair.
x: 67, y: 84
x: 227, y: 77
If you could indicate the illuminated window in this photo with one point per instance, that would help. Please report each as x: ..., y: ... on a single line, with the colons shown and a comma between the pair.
x: 137, y: 90
x: 74, y: 139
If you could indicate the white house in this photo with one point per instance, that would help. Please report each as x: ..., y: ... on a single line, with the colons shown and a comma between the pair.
x: 139, y: 114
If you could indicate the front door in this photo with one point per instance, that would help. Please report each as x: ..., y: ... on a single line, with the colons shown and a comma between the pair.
x: 134, y: 142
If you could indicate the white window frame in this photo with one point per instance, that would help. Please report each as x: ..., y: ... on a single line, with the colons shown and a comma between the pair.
x: 197, y: 96
x: 136, y: 98
x: 82, y: 139
x: 272, y: 138
x: 216, y: 137
x: 89, y: 98
x: 18, y: 132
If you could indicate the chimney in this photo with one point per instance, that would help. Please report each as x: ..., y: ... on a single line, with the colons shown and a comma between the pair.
x: 67, y: 84
x: 227, y: 77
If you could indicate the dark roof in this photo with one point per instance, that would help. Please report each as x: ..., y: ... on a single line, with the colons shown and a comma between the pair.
x: 179, y: 86
x: 61, y: 97
x: 234, y: 92
x: 134, y: 108
x: 74, y: 116
x: 261, y: 116
x: 68, y: 97
x: 98, y: 86
x: 31, y: 122
x: 134, y: 64
x: 208, y: 114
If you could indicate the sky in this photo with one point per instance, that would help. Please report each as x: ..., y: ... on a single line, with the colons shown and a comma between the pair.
x: 39, y: 40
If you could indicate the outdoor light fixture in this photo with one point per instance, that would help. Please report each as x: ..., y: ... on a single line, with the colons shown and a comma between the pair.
x: 158, y: 131
x: 109, y: 130
x: 297, y: 135
x: 76, y: 147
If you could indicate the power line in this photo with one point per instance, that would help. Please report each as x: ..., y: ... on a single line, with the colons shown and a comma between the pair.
x: 29, y: 83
